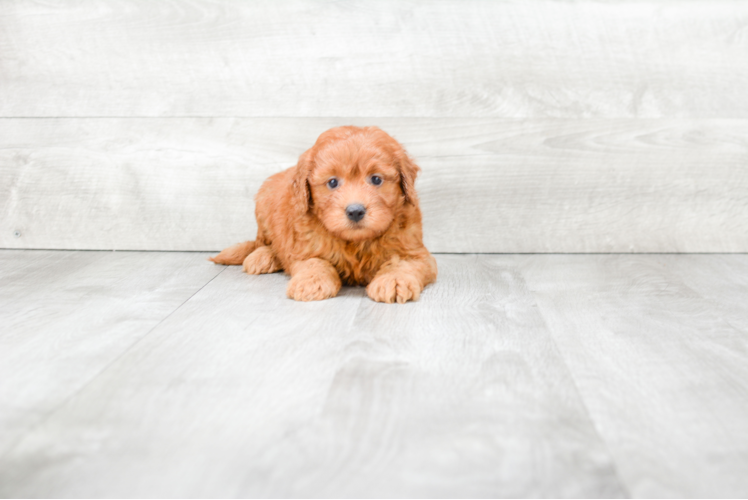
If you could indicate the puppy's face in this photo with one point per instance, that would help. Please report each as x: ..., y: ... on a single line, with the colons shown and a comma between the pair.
x: 356, y: 181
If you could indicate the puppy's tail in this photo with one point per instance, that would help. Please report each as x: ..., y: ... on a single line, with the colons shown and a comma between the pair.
x: 235, y: 255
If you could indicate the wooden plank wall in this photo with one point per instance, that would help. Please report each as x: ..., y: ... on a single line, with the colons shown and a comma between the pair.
x: 541, y: 126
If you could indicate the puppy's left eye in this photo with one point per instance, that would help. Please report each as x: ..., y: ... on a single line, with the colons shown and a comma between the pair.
x: 376, y: 180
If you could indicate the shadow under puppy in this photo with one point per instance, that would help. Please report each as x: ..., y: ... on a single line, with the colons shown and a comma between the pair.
x: 347, y: 213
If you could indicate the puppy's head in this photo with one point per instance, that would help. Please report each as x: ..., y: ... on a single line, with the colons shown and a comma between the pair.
x: 355, y: 180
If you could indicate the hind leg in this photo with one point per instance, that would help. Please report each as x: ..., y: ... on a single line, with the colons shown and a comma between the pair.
x: 235, y: 254
x: 262, y: 261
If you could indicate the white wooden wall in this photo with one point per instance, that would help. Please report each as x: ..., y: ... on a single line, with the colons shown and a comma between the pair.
x: 541, y: 126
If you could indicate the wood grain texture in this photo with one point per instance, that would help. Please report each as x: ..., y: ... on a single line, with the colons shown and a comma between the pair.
x: 722, y: 281
x: 658, y: 347
x: 242, y: 392
x: 65, y: 316
x: 455, y: 58
x: 488, y: 185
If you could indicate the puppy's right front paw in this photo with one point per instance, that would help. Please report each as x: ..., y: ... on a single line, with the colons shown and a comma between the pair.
x: 311, y: 287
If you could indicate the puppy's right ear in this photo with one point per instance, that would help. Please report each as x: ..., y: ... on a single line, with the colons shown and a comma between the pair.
x: 302, y: 195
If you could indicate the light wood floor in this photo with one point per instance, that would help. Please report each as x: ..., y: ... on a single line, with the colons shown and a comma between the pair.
x: 160, y: 374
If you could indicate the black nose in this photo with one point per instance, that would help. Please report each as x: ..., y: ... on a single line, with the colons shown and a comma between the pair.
x: 355, y: 212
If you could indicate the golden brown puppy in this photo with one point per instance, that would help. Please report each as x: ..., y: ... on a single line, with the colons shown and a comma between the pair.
x: 346, y: 213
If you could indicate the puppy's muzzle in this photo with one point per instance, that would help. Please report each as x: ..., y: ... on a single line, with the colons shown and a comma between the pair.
x: 355, y: 212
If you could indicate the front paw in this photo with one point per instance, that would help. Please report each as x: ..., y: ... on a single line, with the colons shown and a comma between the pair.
x: 394, y: 286
x: 311, y: 287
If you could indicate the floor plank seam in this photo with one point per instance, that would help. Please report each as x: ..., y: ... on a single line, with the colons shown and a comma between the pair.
x: 83, y: 387
x: 613, y: 461
x: 358, y: 310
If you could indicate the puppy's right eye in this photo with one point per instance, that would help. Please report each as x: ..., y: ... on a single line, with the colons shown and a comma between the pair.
x: 332, y: 183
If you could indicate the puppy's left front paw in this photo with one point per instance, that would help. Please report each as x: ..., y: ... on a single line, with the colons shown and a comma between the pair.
x: 391, y: 287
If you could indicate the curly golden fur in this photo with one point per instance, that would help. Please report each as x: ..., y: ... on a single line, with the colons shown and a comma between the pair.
x: 347, y: 213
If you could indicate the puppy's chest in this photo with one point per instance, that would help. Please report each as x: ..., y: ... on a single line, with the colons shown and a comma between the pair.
x: 358, y: 266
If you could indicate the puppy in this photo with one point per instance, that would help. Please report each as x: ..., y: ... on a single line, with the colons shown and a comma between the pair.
x: 347, y: 213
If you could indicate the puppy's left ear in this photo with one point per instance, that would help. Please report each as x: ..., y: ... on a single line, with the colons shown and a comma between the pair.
x: 408, y: 172
x: 302, y: 195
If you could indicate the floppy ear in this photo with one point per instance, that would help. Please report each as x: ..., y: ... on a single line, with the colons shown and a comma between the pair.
x: 302, y: 195
x: 408, y: 172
